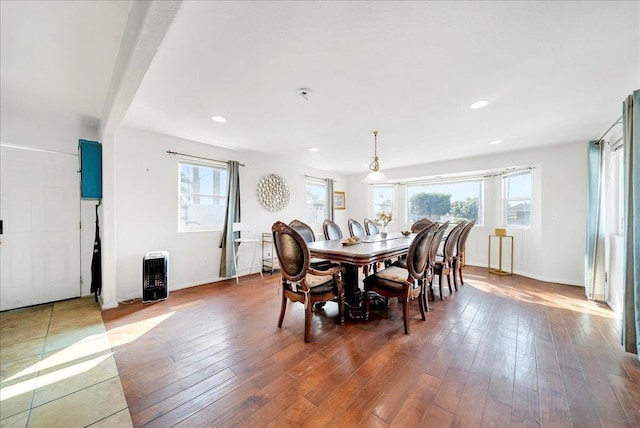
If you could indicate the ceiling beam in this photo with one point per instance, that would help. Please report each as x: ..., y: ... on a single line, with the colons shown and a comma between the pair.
x: 147, y: 25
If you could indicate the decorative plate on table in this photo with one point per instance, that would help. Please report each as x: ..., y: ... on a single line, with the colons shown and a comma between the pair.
x: 351, y: 241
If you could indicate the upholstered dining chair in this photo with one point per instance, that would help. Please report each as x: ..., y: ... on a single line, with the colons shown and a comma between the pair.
x: 406, y: 284
x: 444, y: 266
x: 420, y: 224
x: 458, y: 258
x: 303, y: 229
x: 300, y: 282
x: 307, y: 234
x: 331, y: 230
x: 371, y: 227
x: 355, y: 228
x: 433, y: 253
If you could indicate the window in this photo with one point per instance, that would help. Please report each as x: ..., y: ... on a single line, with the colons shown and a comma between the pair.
x: 203, y: 195
x: 316, y: 201
x: 517, y: 198
x: 382, y: 199
x: 454, y: 201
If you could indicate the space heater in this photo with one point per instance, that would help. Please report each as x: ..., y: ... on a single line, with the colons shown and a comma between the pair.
x: 155, y: 276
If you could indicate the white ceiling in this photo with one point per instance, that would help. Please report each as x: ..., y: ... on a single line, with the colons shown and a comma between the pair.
x: 58, y: 56
x: 555, y: 72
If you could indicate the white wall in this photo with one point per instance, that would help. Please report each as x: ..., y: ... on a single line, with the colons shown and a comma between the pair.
x: 147, y: 207
x: 552, y: 249
x: 60, y: 133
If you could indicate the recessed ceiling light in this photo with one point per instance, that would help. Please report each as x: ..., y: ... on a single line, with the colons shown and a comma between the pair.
x: 479, y: 104
x: 313, y: 149
x: 218, y: 119
x: 496, y: 142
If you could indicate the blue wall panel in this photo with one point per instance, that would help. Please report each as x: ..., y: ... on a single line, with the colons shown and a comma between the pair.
x: 91, y: 169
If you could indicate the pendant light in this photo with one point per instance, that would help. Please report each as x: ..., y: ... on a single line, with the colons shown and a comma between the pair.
x: 375, y: 176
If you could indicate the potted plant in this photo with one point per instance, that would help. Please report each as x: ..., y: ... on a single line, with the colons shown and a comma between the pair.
x: 383, y: 218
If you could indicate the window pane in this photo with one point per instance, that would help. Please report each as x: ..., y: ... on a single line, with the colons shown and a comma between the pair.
x: 518, y: 186
x: 445, y: 201
x: 519, y: 212
x: 316, y: 201
x: 382, y: 199
x: 517, y: 199
x: 203, y: 196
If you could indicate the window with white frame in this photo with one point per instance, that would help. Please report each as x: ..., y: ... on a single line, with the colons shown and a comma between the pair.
x: 203, y: 195
x: 516, y: 189
x: 382, y: 199
x: 316, y: 201
x: 455, y: 201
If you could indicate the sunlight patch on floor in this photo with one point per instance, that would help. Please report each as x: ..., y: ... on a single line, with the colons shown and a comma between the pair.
x: 530, y: 296
x: 50, y: 378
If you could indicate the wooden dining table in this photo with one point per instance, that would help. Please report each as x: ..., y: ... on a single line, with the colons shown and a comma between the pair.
x: 370, y: 250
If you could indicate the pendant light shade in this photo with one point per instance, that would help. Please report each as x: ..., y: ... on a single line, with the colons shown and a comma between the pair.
x: 375, y: 176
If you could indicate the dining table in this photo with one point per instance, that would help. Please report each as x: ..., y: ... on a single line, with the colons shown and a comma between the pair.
x: 371, y: 249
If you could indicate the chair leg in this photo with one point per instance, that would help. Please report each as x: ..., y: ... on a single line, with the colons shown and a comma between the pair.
x: 423, y: 294
x: 341, y: 309
x: 235, y: 260
x: 449, y: 280
x: 454, y: 268
x: 283, y: 308
x: 421, y: 304
x: 365, y: 305
x: 405, y: 314
x: 440, y: 285
x: 307, y: 323
x: 253, y: 259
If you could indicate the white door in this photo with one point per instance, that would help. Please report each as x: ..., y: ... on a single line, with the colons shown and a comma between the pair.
x: 40, y: 209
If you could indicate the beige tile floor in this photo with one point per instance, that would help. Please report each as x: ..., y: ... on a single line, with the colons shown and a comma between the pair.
x: 57, y: 368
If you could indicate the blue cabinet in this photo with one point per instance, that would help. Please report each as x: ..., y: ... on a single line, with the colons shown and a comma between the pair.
x: 90, y: 169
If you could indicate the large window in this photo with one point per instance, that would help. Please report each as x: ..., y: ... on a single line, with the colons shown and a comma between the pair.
x: 517, y: 198
x: 203, y: 195
x: 441, y: 201
x: 316, y: 201
x: 382, y: 199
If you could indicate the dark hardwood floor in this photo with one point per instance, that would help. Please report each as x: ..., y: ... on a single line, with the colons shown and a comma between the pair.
x: 502, y: 351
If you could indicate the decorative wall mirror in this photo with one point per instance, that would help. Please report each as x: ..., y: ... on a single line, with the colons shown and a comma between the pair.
x: 273, y: 192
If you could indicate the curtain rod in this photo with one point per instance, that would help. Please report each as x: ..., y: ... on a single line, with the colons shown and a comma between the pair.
x: 462, y: 178
x: 319, y: 178
x: 618, y: 121
x: 197, y: 157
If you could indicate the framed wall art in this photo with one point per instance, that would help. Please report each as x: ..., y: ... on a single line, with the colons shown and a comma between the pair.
x: 339, y: 201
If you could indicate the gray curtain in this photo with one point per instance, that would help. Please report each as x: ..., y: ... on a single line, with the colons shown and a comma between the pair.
x: 328, y: 209
x: 595, y: 243
x: 227, y: 268
x: 631, y: 130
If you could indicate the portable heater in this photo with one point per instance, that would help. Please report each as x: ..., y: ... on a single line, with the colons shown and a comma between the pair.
x: 155, y: 276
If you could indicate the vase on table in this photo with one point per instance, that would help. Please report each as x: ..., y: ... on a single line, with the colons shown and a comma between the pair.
x: 383, y: 232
